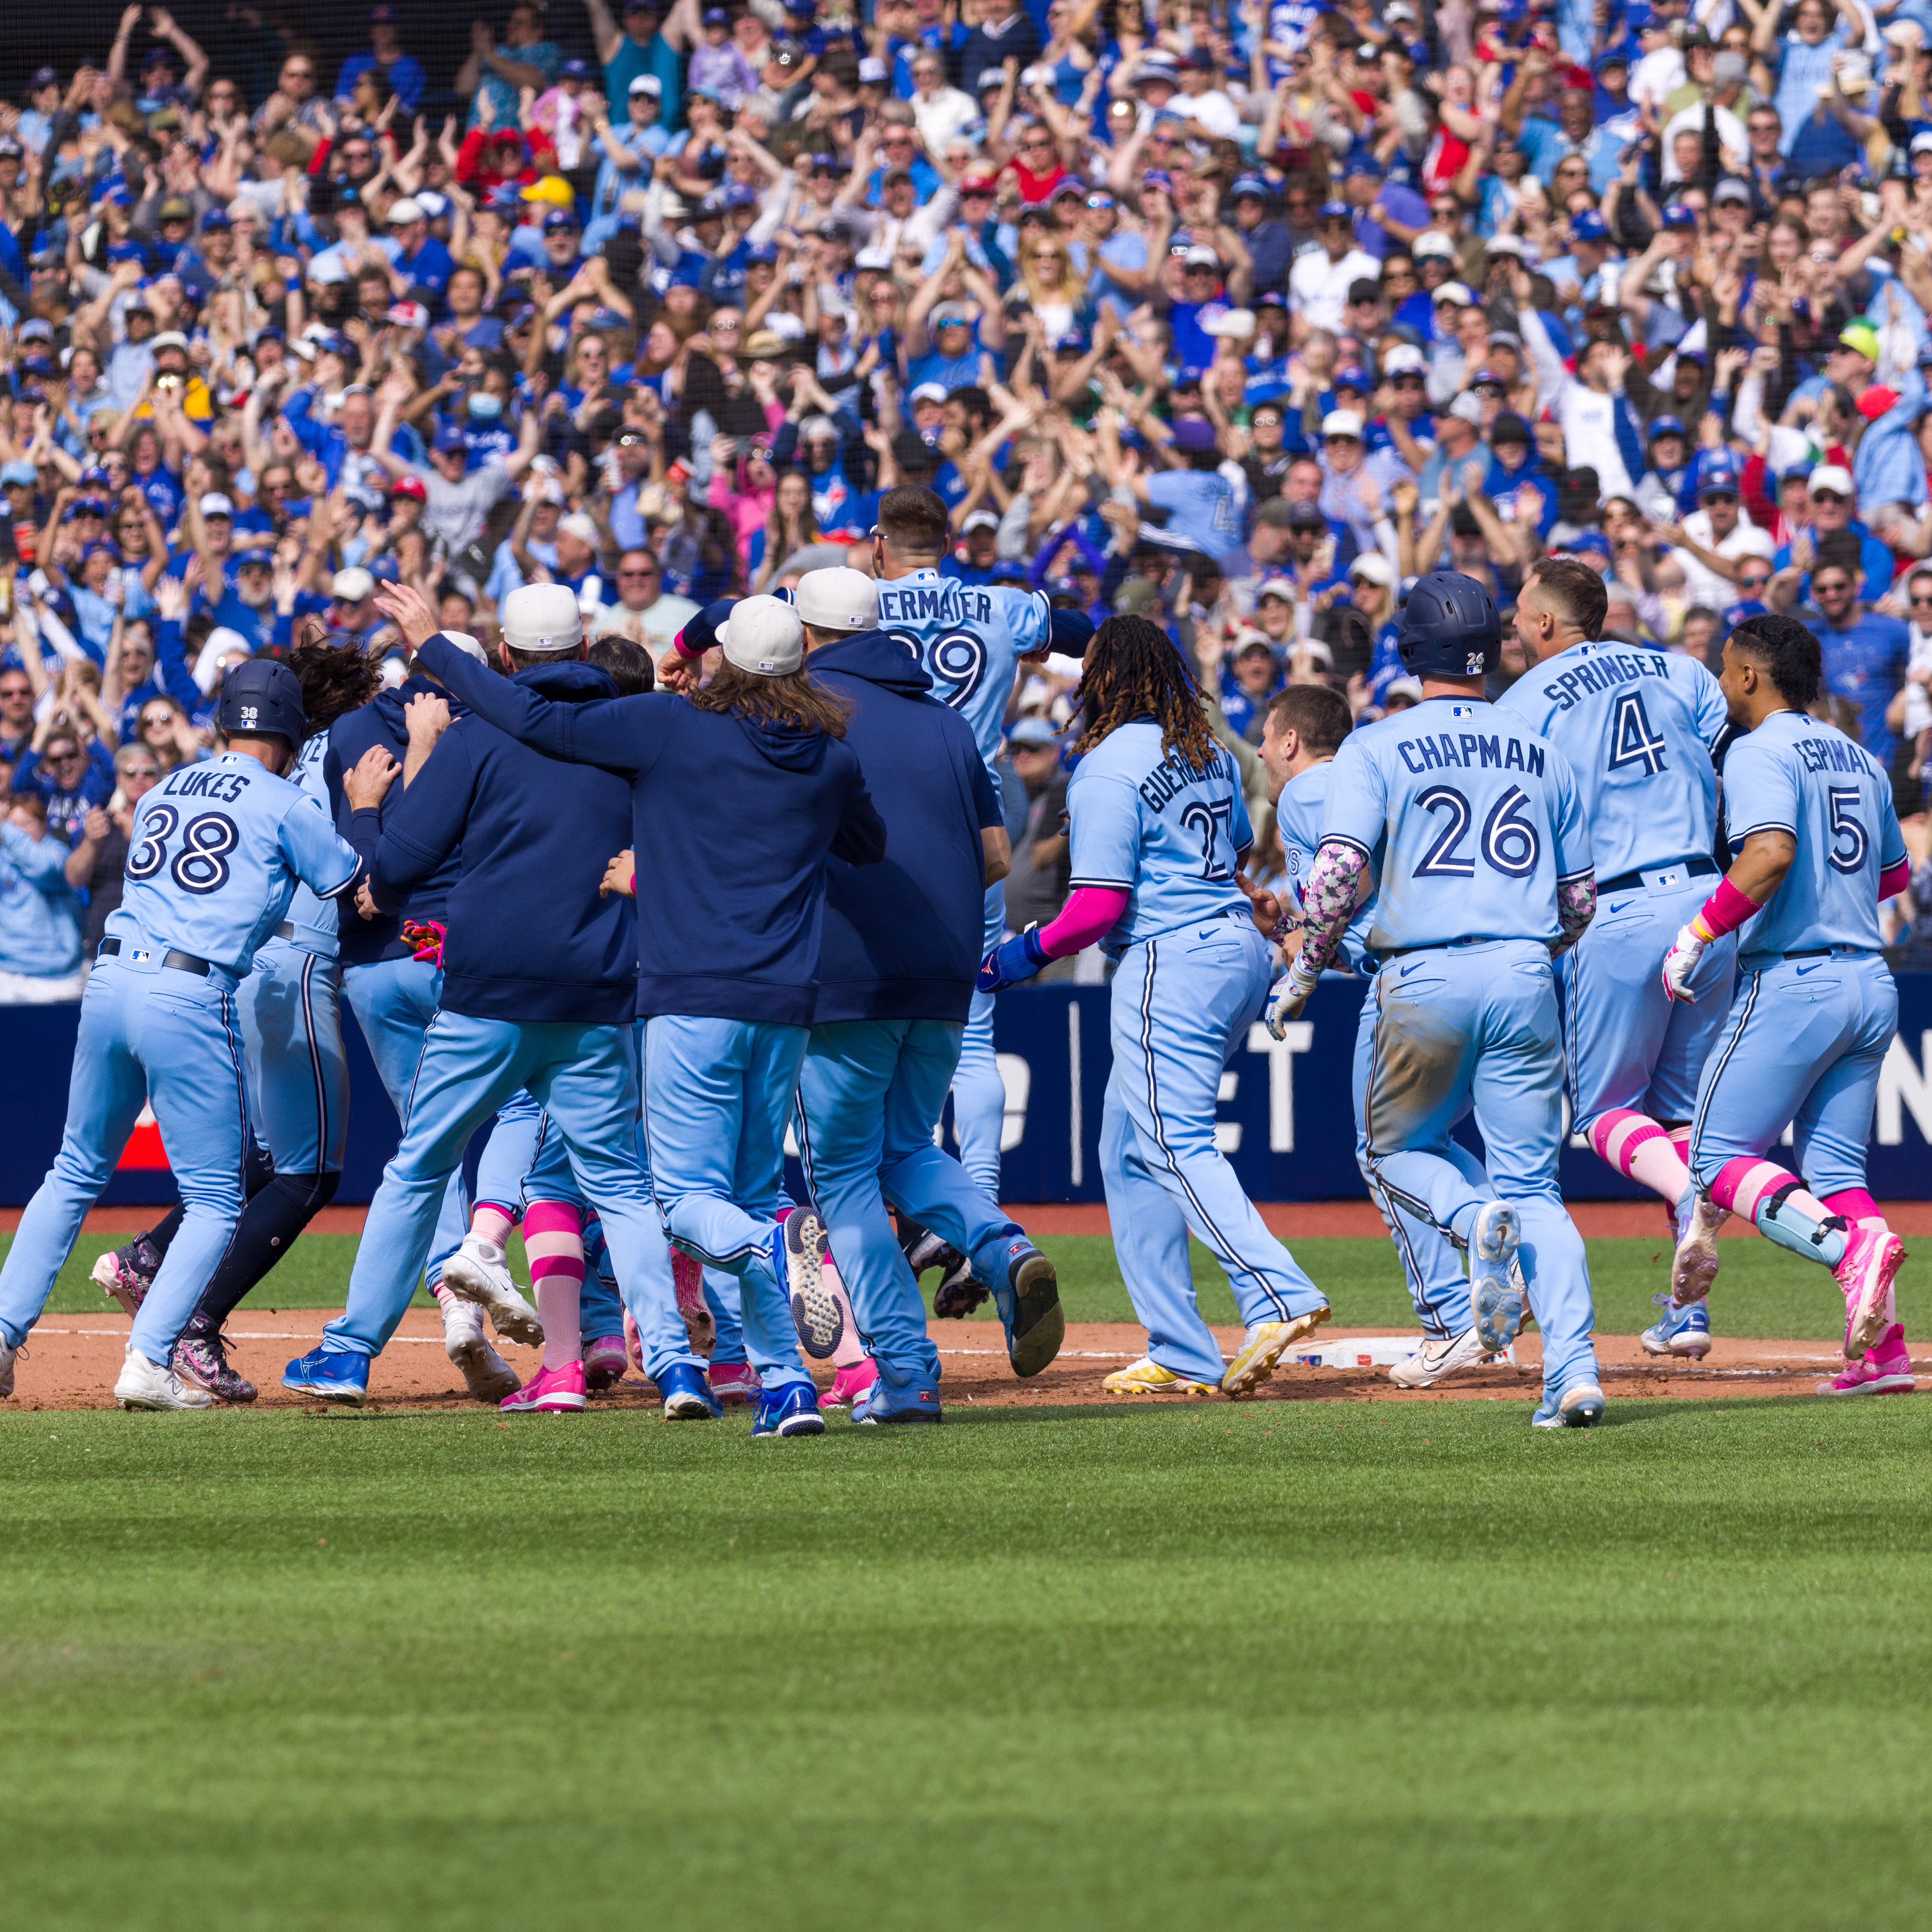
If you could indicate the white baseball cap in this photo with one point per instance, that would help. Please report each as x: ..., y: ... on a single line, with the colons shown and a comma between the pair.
x: 405, y: 210
x: 980, y: 520
x: 353, y: 585
x: 1405, y: 359
x: 1434, y: 243
x: 583, y: 528
x: 1455, y: 292
x: 1834, y: 478
x: 1375, y: 567
x: 467, y: 645
x: 838, y: 600
x: 1342, y: 422
x: 543, y: 619
x: 763, y: 635
x: 216, y: 505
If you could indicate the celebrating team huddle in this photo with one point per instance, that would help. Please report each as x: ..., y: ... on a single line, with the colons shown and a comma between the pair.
x: 639, y: 933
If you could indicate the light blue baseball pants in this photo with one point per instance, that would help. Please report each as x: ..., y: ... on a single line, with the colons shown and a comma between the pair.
x: 978, y: 1093
x: 292, y: 1046
x: 1475, y: 1027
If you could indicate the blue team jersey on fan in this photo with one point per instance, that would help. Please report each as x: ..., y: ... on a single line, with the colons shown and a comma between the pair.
x: 1469, y: 818
x: 314, y: 918
x: 970, y: 638
x: 1637, y: 727
x: 1793, y: 774
x: 1172, y: 836
x: 214, y: 857
x: 1297, y: 817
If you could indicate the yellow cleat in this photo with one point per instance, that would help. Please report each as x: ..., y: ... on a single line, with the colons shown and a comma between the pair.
x: 1147, y: 1377
x: 1265, y: 1344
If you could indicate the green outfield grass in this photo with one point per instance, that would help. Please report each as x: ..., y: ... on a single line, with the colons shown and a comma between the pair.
x: 1324, y: 1665
x: 1765, y: 1291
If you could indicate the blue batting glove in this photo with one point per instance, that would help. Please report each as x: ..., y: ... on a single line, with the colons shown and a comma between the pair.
x: 1012, y: 960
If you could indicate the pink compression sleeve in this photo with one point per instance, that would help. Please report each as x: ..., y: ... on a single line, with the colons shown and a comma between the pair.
x: 1092, y: 911
x: 1727, y: 909
x: 1895, y: 879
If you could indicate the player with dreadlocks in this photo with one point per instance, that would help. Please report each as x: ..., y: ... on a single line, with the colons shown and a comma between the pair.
x: 1159, y: 830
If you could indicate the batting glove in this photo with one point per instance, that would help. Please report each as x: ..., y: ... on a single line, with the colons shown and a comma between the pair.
x: 1681, y: 962
x: 1012, y: 960
x: 1289, y: 996
x: 425, y: 938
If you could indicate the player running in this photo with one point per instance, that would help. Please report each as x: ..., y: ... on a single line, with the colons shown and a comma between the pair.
x: 1159, y: 830
x: 1638, y: 727
x: 1474, y: 832
x: 1810, y: 817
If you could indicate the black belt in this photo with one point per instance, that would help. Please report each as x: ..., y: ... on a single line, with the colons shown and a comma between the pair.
x: 182, y: 962
x: 1831, y: 952
x: 1623, y: 882
x: 1438, y: 946
x: 286, y: 930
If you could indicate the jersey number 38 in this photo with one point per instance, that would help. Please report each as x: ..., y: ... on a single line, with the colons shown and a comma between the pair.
x: 201, y: 863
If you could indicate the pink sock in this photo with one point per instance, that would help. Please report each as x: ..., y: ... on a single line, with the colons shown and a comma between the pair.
x: 1634, y: 1144
x: 491, y: 1223
x: 1742, y: 1183
x: 553, y: 1240
x: 1857, y: 1206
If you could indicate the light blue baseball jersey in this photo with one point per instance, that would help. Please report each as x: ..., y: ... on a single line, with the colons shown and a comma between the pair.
x: 1637, y: 727
x: 1793, y: 774
x: 214, y: 857
x: 1298, y: 814
x: 314, y: 918
x: 1172, y: 836
x: 971, y: 639
x: 1469, y: 818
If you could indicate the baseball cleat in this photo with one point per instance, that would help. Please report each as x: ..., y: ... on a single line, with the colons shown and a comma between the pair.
x: 201, y: 1360
x: 874, y: 1410
x: 1436, y: 1359
x: 485, y: 1374
x: 1694, y: 1266
x: 1885, y: 1369
x: 330, y: 1375
x: 477, y: 1272
x: 1497, y: 1299
x: 798, y: 1253
x: 550, y: 1392
x: 1264, y: 1345
x: 1147, y: 1377
x: 1035, y: 1322
x: 603, y: 1362
x: 633, y: 1344
x: 700, y: 1325
x: 791, y: 1411
x: 734, y: 1381
x: 9, y: 1355
x: 145, y: 1385
x: 687, y: 1395
x: 924, y: 1249
x: 1682, y: 1331
x: 121, y: 1273
x: 959, y: 1292
x: 1872, y: 1259
x: 1580, y: 1406
x: 850, y: 1384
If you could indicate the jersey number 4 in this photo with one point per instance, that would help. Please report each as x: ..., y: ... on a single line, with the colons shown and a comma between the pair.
x: 1633, y: 743
x: 201, y: 865
x: 1509, y: 841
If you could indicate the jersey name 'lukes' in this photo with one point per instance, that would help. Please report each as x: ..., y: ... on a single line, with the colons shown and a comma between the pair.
x: 1470, y: 751
x: 204, y: 780
x: 1173, y: 774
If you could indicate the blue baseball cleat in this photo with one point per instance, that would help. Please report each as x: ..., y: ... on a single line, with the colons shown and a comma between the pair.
x: 687, y: 1395
x: 1497, y: 1300
x: 1579, y: 1406
x: 1030, y: 1309
x: 875, y: 1408
x: 791, y: 1411
x: 1685, y: 1332
x: 330, y: 1375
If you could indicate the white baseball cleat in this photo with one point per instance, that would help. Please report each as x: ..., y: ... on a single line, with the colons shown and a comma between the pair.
x: 9, y: 1355
x: 485, y: 1373
x: 1694, y: 1266
x: 1498, y: 1300
x: 477, y: 1272
x: 1434, y: 1359
x: 143, y: 1384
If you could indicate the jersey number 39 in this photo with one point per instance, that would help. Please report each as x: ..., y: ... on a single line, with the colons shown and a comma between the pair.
x: 201, y: 865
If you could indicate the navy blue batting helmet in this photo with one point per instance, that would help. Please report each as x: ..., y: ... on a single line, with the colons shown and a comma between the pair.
x: 261, y: 698
x: 1449, y: 627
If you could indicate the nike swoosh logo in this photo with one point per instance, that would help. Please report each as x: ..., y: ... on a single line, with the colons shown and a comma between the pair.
x: 1618, y: 908
x: 1803, y: 969
x: 1407, y: 969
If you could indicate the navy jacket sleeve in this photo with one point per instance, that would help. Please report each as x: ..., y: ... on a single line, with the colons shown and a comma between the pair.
x: 622, y: 734
x: 860, y: 839
x: 424, y: 825
x: 986, y: 802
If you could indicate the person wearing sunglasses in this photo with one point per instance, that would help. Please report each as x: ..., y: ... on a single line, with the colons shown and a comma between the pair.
x: 1717, y: 545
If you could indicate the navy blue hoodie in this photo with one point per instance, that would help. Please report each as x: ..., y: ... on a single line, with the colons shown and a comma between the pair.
x: 902, y: 938
x: 529, y: 938
x: 733, y: 822
x: 381, y: 721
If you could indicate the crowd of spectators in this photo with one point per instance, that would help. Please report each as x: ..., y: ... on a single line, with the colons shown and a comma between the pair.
x: 1239, y: 314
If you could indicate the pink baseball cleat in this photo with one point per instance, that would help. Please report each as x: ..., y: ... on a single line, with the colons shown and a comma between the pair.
x: 633, y: 1344
x: 850, y: 1383
x: 1873, y: 1258
x: 549, y: 1392
x: 734, y: 1382
x: 1885, y: 1369
x: 604, y: 1359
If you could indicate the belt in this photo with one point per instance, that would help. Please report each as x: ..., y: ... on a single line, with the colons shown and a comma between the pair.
x: 1438, y: 946
x: 286, y: 930
x: 1624, y: 882
x: 1830, y: 953
x: 182, y: 962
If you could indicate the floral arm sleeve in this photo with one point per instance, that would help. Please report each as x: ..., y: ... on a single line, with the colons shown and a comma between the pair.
x: 1328, y: 902
x: 1576, y: 906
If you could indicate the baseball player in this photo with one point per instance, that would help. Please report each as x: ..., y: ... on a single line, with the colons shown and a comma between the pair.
x: 217, y: 850
x: 1472, y: 830
x: 1304, y: 727
x: 537, y: 981
x: 893, y: 996
x: 728, y: 961
x: 1638, y: 727
x: 1810, y: 816
x: 971, y: 639
x: 1159, y: 830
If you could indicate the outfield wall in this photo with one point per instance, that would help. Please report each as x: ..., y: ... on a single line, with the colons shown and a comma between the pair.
x: 1286, y: 1119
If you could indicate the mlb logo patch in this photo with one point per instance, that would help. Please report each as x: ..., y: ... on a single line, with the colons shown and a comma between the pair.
x: 1476, y: 665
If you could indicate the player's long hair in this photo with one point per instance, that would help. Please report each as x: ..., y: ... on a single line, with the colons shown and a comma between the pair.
x: 336, y: 679
x: 797, y: 699
x: 1133, y: 671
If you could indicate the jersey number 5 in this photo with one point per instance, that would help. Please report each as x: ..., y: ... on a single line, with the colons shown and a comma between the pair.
x: 201, y: 865
x: 1848, y: 843
x: 1633, y: 743
x: 1509, y: 841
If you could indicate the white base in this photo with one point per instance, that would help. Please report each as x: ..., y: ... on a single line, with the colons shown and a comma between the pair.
x: 1368, y: 1351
